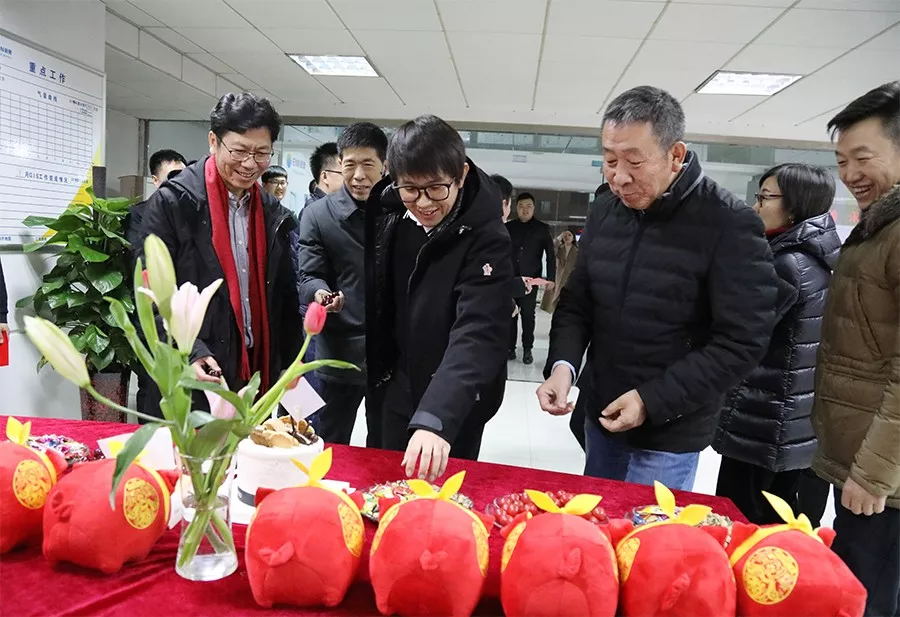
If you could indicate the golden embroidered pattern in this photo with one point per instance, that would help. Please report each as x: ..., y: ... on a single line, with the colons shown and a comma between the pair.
x: 352, y: 526
x: 140, y: 503
x: 386, y: 519
x: 770, y: 574
x: 626, y: 553
x: 31, y: 483
x: 481, y: 546
x: 511, y: 540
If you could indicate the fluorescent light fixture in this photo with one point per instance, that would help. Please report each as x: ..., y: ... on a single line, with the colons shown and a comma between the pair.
x: 740, y: 82
x: 345, y: 66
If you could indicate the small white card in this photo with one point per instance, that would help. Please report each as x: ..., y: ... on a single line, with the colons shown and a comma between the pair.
x: 302, y: 401
x: 159, y: 453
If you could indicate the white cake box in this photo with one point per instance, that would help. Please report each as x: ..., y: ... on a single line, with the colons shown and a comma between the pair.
x: 264, y: 467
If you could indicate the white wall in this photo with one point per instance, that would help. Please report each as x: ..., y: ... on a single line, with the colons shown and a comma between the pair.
x: 123, y: 149
x: 75, y: 29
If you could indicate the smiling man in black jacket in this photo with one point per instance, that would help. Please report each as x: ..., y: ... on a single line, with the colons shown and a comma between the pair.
x: 437, y: 288
x: 672, y: 296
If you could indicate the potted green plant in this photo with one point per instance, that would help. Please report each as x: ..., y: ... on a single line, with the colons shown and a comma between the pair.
x: 94, y: 262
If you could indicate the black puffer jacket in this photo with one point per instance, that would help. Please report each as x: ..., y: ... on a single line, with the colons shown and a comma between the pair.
x: 676, y: 301
x: 179, y: 214
x: 531, y: 242
x: 765, y: 420
x: 458, y: 307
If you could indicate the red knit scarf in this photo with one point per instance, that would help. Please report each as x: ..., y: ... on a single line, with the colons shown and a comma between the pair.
x: 217, y: 195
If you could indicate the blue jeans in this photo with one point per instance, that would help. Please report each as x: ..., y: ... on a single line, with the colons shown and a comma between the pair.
x: 610, y: 458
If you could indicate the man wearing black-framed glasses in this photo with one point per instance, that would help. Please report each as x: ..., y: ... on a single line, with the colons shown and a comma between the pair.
x: 332, y: 270
x: 218, y: 223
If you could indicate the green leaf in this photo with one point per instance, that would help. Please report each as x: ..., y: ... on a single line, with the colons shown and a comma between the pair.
x: 133, y: 447
x: 25, y: 302
x: 89, y: 254
x: 55, y: 301
x: 102, y: 278
x: 218, y: 388
x: 251, y: 390
x: 38, y: 221
x: 52, y: 283
x: 76, y: 299
x: 199, y: 418
x: 30, y: 247
x: 102, y: 361
x: 210, y: 437
x: 69, y: 223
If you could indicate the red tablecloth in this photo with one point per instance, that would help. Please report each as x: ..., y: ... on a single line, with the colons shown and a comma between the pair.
x: 29, y: 586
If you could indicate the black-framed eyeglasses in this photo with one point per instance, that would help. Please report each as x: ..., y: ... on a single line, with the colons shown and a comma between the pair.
x: 761, y: 197
x: 435, y: 192
x: 332, y: 171
x: 278, y: 181
x: 239, y: 155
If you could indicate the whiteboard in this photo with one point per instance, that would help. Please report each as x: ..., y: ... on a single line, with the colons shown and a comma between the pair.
x: 52, y: 121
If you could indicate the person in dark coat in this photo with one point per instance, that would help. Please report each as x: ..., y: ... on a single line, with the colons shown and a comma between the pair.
x: 438, y: 274
x: 4, y: 308
x: 219, y: 224
x: 326, y: 173
x: 332, y: 273
x: 531, y: 243
x: 765, y: 435
x: 672, y: 297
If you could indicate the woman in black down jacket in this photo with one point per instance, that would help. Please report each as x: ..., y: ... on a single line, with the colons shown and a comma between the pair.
x: 765, y: 436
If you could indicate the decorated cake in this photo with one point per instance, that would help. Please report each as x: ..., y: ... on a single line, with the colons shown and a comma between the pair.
x: 264, y: 459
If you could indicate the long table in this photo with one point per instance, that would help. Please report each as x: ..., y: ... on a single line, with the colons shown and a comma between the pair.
x: 30, y: 586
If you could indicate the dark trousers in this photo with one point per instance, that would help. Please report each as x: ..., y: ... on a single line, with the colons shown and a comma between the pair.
x: 743, y: 483
x: 334, y: 422
x: 526, y: 306
x: 870, y: 546
x: 396, y: 411
x: 148, y: 396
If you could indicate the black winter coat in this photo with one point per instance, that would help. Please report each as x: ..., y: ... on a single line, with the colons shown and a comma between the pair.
x: 675, y: 301
x: 332, y: 232
x: 765, y: 420
x: 531, y: 241
x: 458, y: 307
x: 179, y: 214
x: 4, y: 308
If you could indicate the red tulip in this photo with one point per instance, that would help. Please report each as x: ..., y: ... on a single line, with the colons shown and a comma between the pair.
x: 315, y: 319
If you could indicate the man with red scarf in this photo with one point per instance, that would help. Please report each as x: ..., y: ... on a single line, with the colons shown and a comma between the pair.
x: 218, y: 223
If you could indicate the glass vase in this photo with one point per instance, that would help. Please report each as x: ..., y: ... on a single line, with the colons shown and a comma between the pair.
x: 206, y: 548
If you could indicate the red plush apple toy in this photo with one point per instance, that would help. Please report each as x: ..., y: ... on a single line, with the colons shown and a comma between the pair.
x: 429, y: 555
x: 304, y: 543
x: 672, y: 568
x: 80, y: 526
x: 26, y: 477
x: 558, y: 564
x: 790, y: 569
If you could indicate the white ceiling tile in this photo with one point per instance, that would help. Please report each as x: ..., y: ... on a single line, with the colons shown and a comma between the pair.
x: 121, y: 34
x: 198, y: 76
x: 705, y: 109
x: 308, y: 14
x: 240, y: 80
x: 889, y: 41
x: 315, y: 42
x: 131, y: 13
x: 195, y: 13
x: 713, y: 23
x: 489, y: 78
x: 223, y: 86
x: 159, y: 55
x: 211, y: 62
x: 175, y: 40
x: 394, y: 15
x: 630, y: 20
x: 582, y: 50
x: 782, y: 58
x: 260, y: 66
x: 754, y: 3
x: 836, y: 84
x: 521, y: 16
x: 230, y: 40
x: 851, y: 5
x: 657, y: 65
x: 817, y: 28
x: 365, y: 90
